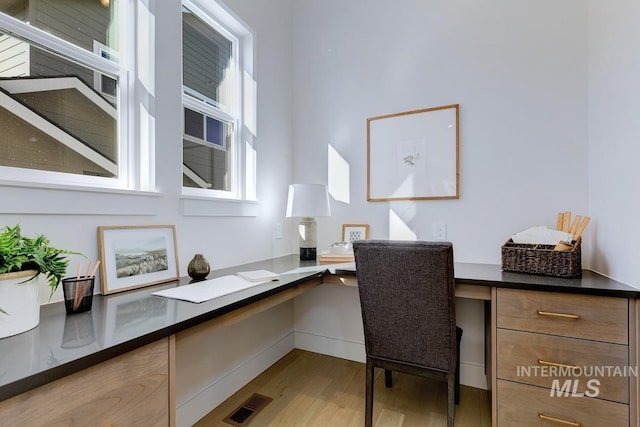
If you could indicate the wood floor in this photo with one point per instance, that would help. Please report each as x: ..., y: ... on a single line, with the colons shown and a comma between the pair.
x: 314, y: 390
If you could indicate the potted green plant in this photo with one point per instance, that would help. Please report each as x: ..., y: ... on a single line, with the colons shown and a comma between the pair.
x: 22, y: 260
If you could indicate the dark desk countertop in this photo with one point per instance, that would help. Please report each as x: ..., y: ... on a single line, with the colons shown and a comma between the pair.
x: 590, y: 283
x: 62, y: 345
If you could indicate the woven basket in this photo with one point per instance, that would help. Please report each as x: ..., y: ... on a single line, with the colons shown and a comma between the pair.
x: 541, y: 259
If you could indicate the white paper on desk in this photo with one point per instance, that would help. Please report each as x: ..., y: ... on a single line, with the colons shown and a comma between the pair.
x: 258, y: 275
x: 308, y: 269
x: 208, y: 289
x: 322, y: 267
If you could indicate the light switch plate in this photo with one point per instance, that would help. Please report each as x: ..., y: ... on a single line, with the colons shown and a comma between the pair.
x: 440, y: 231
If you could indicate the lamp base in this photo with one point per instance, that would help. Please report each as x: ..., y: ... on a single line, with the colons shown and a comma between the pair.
x: 307, y: 238
x: 307, y: 254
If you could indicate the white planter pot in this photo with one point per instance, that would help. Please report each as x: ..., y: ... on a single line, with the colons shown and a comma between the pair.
x: 20, y: 301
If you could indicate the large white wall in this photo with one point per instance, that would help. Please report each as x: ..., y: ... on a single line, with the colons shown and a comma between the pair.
x: 614, y: 129
x: 518, y: 71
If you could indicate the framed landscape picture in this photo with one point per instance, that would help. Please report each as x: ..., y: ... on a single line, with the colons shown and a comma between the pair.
x: 136, y: 256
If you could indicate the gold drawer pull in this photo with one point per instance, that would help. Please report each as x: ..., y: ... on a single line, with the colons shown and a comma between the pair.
x: 564, y: 316
x: 558, y: 420
x: 559, y: 365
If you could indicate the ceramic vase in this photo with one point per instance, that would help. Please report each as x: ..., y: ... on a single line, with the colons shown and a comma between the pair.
x: 198, y: 267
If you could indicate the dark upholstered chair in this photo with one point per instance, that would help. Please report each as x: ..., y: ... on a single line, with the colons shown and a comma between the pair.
x: 407, y: 297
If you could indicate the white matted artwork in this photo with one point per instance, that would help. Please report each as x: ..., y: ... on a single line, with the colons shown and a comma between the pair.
x: 353, y: 232
x: 136, y: 256
x: 413, y: 155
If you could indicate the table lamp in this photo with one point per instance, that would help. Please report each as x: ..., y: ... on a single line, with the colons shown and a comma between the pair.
x: 307, y: 201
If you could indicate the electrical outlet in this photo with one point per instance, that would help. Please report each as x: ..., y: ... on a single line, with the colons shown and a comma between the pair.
x: 440, y: 231
x: 278, y: 231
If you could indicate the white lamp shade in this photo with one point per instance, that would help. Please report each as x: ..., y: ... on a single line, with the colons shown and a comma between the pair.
x: 308, y: 200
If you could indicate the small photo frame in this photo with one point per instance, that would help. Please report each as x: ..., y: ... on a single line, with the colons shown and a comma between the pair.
x: 353, y: 232
x: 132, y: 257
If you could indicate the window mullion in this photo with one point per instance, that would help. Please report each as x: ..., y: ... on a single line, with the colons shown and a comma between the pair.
x: 201, y: 107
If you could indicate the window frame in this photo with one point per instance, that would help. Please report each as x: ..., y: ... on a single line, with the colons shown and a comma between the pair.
x: 127, y: 169
x: 227, y: 25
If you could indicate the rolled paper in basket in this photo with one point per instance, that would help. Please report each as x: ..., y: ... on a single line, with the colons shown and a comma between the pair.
x: 563, y: 246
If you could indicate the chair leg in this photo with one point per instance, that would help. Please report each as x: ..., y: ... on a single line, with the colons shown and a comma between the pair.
x: 368, y: 409
x: 451, y: 406
x: 388, y: 381
x: 457, y: 389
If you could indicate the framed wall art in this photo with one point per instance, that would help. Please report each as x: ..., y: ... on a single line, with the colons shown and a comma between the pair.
x: 135, y: 256
x: 352, y: 232
x: 413, y: 155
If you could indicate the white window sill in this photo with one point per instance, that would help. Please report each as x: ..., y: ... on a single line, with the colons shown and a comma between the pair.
x: 202, y: 206
x: 52, y: 199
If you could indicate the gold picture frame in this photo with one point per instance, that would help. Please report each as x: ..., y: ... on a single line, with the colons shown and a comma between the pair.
x: 414, y: 155
x: 132, y: 257
x: 353, y: 232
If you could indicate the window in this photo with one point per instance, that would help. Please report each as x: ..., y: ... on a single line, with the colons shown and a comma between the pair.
x: 212, y: 90
x: 63, y: 92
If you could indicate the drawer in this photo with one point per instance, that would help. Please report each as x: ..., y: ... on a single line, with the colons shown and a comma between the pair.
x: 524, y: 406
x: 129, y: 390
x: 579, y: 316
x: 533, y: 359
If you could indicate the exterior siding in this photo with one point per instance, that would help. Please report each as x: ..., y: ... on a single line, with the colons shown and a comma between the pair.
x: 78, y: 116
x: 204, y: 60
x: 208, y: 163
x: 78, y: 21
x: 26, y: 147
x: 14, y: 57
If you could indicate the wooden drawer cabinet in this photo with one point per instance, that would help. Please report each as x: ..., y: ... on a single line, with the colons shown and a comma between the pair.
x: 542, y: 340
x: 542, y: 352
x: 568, y: 315
x: 128, y: 390
x: 523, y: 405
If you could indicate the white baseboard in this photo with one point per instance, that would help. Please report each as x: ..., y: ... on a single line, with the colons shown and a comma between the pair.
x: 473, y: 375
x: 343, y: 349
x: 189, y: 412
x: 470, y: 375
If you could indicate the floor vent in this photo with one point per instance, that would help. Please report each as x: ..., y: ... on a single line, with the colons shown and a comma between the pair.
x: 245, y: 413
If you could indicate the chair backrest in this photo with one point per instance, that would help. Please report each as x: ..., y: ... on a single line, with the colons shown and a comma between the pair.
x: 407, y: 296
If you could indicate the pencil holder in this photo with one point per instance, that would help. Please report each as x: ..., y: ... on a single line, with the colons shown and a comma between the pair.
x: 78, y: 294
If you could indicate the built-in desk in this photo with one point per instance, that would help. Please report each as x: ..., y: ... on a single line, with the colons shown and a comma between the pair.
x: 93, y: 350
